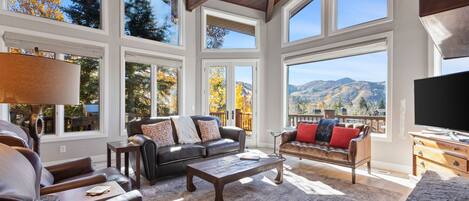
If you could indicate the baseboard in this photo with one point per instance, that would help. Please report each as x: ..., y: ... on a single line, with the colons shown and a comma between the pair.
x: 391, y: 166
x: 96, y: 158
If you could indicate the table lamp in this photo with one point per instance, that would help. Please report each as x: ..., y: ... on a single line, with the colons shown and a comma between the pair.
x: 38, y: 81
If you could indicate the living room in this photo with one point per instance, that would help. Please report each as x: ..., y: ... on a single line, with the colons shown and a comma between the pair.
x: 209, y: 99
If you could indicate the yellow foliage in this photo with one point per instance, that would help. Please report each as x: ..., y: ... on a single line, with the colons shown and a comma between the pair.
x: 42, y: 8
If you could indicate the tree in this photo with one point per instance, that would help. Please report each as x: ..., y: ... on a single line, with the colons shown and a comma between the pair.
x: 382, y: 104
x: 217, y: 83
x: 85, y: 12
x: 137, y: 90
x: 167, y: 91
x: 363, y: 105
x: 41, y: 8
x: 215, y: 36
x: 141, y: 22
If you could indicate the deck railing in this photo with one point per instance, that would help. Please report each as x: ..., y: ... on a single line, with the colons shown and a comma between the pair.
x: 243, y: 119
x: 377, y: 123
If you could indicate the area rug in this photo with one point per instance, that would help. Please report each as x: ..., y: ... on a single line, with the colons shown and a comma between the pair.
x: 298, y: 184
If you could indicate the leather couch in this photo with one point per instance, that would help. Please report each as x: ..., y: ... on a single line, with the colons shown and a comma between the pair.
x: 159, y: 162
x: 358, y: 153
x: 26, y: 186
x: 63, y: 176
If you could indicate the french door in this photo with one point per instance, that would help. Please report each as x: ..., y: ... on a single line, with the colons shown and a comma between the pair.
x: 230, y: 93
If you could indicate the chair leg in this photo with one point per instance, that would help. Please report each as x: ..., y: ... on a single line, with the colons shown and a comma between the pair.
x: 369, y: 167
x: 353, y: 175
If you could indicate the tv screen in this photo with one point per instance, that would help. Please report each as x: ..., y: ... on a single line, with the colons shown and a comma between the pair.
x: 443, y: 102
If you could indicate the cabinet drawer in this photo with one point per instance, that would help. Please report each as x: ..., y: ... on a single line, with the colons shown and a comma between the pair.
x: 459, y: 149
x: 441, y: 157
x: 423, y: 165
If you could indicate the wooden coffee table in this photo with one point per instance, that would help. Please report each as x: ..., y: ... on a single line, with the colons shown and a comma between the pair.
x: 228, y: 169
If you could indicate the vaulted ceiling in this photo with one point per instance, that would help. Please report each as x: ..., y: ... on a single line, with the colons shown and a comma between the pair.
x: 263, y: 5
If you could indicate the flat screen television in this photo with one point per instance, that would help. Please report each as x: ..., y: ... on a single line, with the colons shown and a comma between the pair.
x: 443, y: 102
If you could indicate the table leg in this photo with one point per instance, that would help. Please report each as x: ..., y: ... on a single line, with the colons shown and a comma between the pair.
x: 275, y: 145
x: 126, y: 163
x: 137, y: 167
x: 118, y: 160
x: 279, y: 178
x: 189, y: 184
x: 108, y: 157
x: 219, y: 191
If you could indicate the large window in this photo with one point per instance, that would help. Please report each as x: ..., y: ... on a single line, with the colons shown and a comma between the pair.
x: 81, y: 12
x: 82, y: 117
x: 150, y: 90
x: 305, y: 20
x: 351, y: 89
x: 454, y: 66
x: 223, y: 31
x: 156, y: 20
x: 354, y: 12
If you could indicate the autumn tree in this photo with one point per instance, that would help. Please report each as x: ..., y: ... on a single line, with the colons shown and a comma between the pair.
x: 167, y: 91
x: 41, y: 8
x: 217, y: 84
x: 84, y: 12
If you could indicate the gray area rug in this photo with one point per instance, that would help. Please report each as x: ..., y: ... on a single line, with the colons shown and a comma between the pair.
x: 439, y: 187
x: 298, y: 184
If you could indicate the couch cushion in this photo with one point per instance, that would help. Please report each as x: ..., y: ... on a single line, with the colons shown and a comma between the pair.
x: 180, y: 153
x: 324, y: 131
x: 315, y: 150
x: 112, y: 174
x: 221, y: 146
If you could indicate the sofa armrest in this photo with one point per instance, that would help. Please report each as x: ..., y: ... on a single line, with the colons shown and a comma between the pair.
x: 360, y: 147
x: 148, y: 150
x: 134, y: 195
x: 70, y: 169
x: 288, y: 136
x: 77, y: 183
x: 236, y: 134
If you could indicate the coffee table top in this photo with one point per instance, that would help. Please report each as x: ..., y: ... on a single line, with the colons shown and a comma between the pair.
x: 80, y: 193
x: 232, y: 165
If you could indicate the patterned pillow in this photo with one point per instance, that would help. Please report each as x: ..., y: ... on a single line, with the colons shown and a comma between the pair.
x: 209, y: 130
x: 161, y: 133
x: 324, y: 131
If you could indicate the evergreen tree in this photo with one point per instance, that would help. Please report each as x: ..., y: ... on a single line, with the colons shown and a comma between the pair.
x: 141, y: 22
x: 215, y: 36
x: 137, y: 90
x: 363, y: 105
x: 382, y: 104
x: 85, y: 12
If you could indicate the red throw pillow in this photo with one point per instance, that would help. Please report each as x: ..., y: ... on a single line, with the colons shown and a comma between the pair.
x: 341, y: 136
x: 306, y: 132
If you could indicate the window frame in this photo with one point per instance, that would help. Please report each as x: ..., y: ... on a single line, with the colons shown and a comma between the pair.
x: 181, y: 76
x: 333, y: 22
x: 286, y: 11
x: 339, y: 50
x: 232, y: 17
x: 104, y: 30
x: 182, y: 34
x: 60, y: 134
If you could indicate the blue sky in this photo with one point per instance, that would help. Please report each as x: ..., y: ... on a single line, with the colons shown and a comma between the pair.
x: 307, y: 22
x: 455, y: 65
x: 352, y: 12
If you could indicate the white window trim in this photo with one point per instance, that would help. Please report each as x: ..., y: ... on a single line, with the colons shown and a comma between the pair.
x: 60, y: 135
x: 104, y: 30
x: 286, y: 24
x: 435, y: 60
x: 388, y: 37
x: 182, y: 34
x: 181, y: 78
x: 334, y: 30
x: 233, y: 17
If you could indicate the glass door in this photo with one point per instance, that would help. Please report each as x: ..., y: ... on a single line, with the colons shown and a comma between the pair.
x: 217, y: 93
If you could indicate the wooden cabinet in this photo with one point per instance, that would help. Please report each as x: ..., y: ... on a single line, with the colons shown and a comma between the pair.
x: 439, y: 153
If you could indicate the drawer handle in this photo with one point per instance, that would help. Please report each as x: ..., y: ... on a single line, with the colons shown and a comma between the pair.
x: 456, y: 149
x: 422, y: 164
x: 420, y: 153
x: 456, y: 163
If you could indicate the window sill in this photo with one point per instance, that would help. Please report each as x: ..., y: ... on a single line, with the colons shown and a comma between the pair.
x: 306, y: 40
x: 71, y: 136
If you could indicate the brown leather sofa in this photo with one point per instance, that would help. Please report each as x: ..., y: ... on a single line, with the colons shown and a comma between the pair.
x: 359, y: 151
x: 26, y: 186
x: 159, y: 162
x: 63, y: 176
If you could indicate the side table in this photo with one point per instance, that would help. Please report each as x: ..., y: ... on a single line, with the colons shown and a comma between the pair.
x: 275, y: 134
x: 126, y: 148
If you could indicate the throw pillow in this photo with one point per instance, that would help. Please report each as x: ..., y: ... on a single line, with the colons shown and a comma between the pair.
x: 306, y: 132
x: 185, y: 130
x: 161, y: 133
x: 324, y: 131
x: 209, y: 130
x: 341, y: 137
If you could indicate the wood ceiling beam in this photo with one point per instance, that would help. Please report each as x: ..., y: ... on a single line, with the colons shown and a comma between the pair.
x: 193, y: 4
x: 269, y: 11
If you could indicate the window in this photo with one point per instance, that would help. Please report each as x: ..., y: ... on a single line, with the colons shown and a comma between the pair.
x: 355, y: 12
x: 156, y: 20
x: 352, y: 89
x: 150, y: 90
x: 226, y: 31
x: 85, y: 13
x: 455, y: 65
x: 82, y: 117
x: 305, y: 20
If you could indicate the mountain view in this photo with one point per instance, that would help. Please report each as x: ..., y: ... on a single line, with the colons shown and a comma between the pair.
x: 346, y: 96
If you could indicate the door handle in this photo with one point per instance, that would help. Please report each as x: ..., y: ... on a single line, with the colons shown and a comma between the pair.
x: 232, y: 114
x: 227, y: 116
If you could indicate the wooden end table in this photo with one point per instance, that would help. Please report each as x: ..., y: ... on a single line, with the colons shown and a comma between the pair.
x: 222, y: 171
x: 80, y: 193
x: 126, y: 148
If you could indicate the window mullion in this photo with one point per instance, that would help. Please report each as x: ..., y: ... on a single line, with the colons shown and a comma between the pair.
x: 154, y: 90
x: 59, y: 120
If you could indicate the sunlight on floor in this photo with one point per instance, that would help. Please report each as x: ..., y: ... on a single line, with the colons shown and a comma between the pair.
x: 309, y: 187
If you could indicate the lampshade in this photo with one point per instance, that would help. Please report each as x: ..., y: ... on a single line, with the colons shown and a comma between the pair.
x: 38, y: 80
